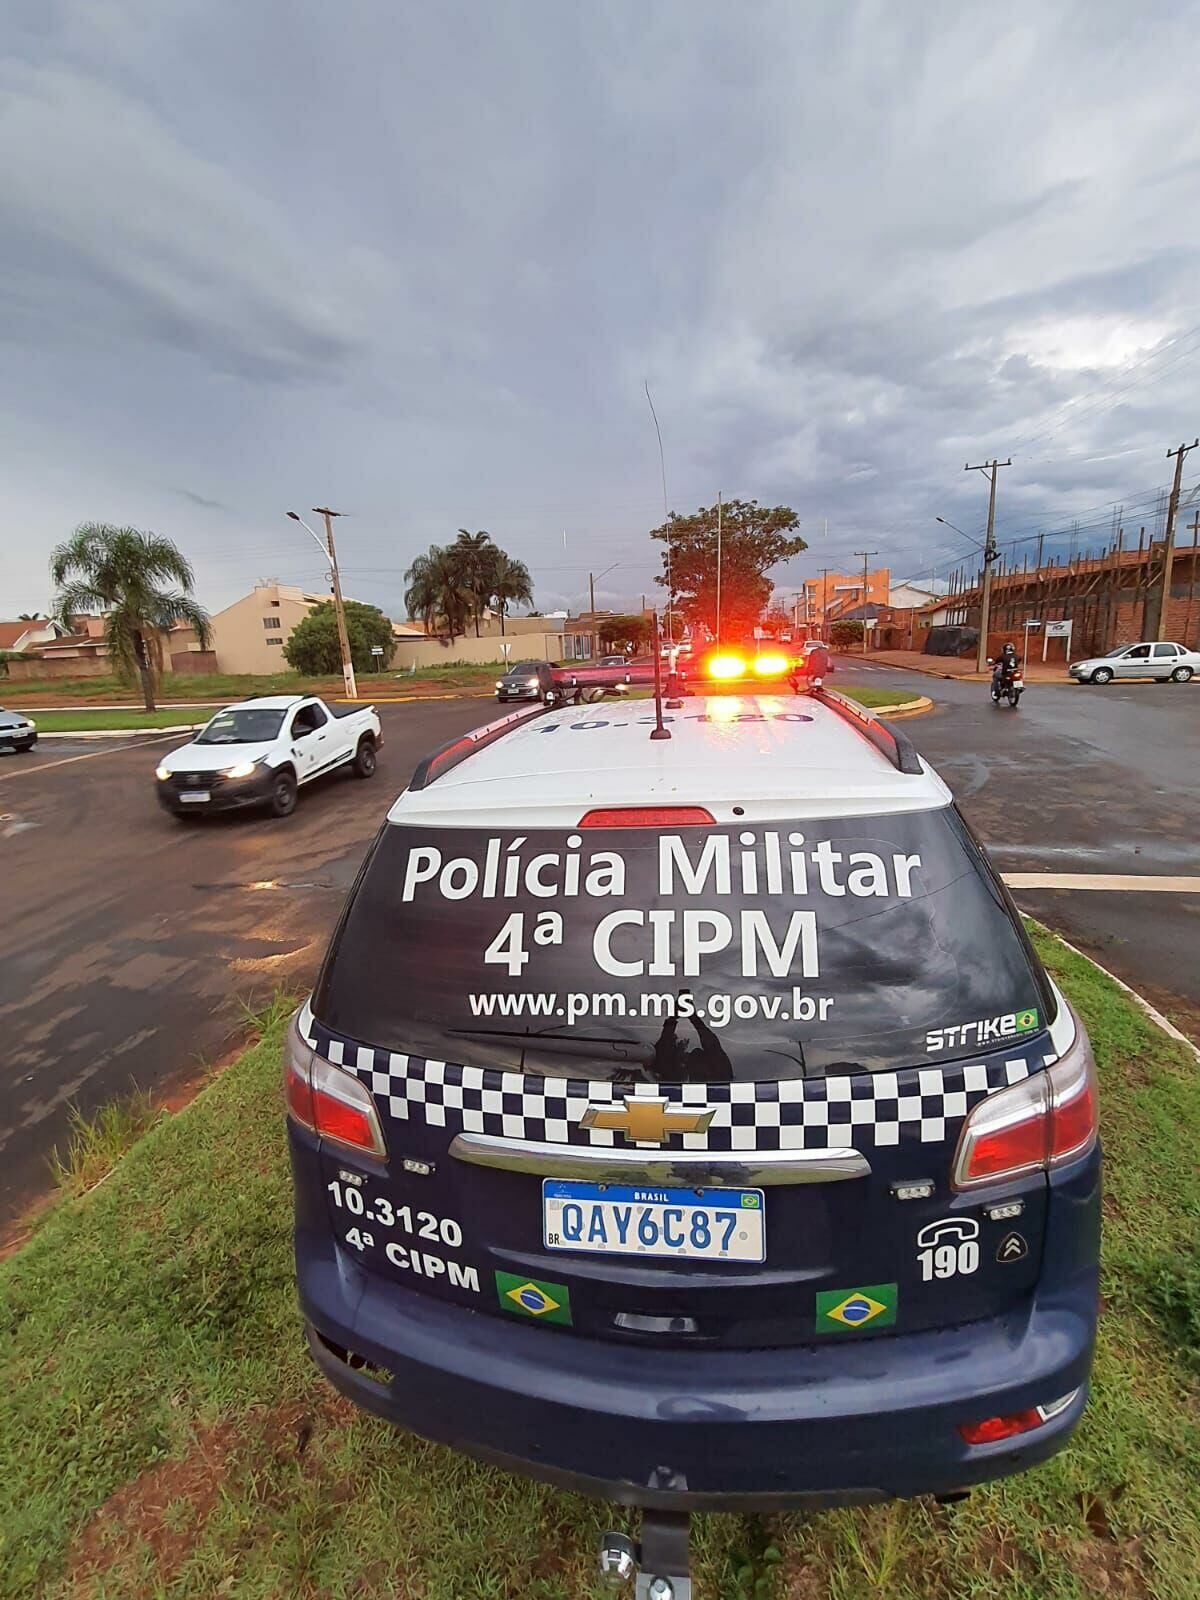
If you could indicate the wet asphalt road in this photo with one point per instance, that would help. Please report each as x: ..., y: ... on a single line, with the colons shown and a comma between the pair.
x: 130, y: 942
x: 1084, y: 780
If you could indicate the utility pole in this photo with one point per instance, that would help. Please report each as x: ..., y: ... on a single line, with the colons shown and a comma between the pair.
x: 1160, y: 631
x: 865, y: 554
x: 825, y: 571
x: 335, y: 575
x: 989, y: 469
x: 338, y: 604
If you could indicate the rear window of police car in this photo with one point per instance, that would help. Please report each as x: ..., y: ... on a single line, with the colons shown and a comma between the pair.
x: 700, y: 953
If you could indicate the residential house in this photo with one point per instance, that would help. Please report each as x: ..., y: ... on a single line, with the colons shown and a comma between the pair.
x: 249, y: 635
x: 29, y: 635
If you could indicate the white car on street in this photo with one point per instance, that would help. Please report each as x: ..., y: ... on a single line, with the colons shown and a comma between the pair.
x: 259, y: 752
x: 1170, y: 663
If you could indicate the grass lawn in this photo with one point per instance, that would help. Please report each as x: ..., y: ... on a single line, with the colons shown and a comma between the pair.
x: 87, y: 719
x: 161, y: 1429
x: 878, y: 699
x: 240, y: 686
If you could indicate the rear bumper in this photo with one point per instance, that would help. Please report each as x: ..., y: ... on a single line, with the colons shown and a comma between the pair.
x: 694, y: 1429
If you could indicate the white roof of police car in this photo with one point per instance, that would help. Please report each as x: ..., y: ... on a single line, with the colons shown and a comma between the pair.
x: 552, y: 767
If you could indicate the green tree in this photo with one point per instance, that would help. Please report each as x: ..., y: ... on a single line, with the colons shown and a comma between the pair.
x: 846, y: 633
x: 754, y: 539
x: 477, y: 559
x: 315, y: 650
x: 437, y: 593
x: 620, y: 632
x: 511, y: 584
x: 123, y: 573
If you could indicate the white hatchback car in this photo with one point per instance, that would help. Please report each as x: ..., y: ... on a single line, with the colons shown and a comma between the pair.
x: 1173, y: 663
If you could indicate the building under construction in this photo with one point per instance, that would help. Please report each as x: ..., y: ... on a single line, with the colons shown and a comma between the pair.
x: 1110, y: 599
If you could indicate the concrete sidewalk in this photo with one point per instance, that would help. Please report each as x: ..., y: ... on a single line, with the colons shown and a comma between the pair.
x: 952, y: 666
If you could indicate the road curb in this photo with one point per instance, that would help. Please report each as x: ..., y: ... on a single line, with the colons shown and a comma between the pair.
x: 907, y: 708
x: 115, y: 733
x: 1155, y: 1015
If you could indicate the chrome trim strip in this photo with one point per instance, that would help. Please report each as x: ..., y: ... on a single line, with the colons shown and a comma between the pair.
x: 688, y: 1169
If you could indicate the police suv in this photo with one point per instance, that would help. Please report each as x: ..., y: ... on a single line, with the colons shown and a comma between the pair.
x: 690, y: 1121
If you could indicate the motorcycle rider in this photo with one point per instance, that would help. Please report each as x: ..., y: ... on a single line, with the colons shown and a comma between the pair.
x: 1005, y: 669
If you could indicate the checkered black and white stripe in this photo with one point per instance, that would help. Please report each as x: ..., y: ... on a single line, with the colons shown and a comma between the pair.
x: 918, y: 1105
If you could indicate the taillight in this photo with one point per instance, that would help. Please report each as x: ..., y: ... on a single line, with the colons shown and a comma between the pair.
x: 327, y: 1100
x: 990, y: 1429
x: 647, y: 817
x: 726, y: 666
x: 993, y: 1428
x: 1046, y: 1120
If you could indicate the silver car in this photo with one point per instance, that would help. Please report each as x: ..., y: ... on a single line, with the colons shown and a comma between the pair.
x: 1173, y: 663
x: 17, y: 732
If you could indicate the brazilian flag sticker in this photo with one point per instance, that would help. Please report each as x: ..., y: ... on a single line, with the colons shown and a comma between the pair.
x: 1027, y: 1021
x: 530, y: 1297
x: 873, y: 1305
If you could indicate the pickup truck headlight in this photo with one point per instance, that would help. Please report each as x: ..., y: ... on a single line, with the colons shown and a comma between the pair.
x: 30, y: 724
x: 242, y: 770
x: 162, y: 773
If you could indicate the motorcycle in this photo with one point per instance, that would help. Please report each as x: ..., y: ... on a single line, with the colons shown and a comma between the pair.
x: 1008, y: 682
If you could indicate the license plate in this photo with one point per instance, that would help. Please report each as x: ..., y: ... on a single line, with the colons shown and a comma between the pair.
x: 638, y: 1220
x: 194, y: 796
x: 1018, y: 683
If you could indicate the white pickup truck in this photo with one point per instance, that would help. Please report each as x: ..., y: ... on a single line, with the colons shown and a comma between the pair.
x: 259, y: 752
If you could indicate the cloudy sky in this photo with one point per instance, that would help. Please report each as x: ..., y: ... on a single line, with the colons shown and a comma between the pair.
x: 416, y: 261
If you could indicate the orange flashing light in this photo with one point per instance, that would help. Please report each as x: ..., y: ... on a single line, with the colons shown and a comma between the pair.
x: 726, y: 666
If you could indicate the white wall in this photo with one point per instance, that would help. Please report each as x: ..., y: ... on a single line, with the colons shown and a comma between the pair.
x: 438, y: 653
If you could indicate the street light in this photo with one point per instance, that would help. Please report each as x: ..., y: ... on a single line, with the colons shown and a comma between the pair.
x: 327, y: 549
x: 966, y: 536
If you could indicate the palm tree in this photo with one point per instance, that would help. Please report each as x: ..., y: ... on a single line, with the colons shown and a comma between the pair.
x: 511, y: 584
x: 437, y: 592
x: 120, y: 572
x: 477, y: 557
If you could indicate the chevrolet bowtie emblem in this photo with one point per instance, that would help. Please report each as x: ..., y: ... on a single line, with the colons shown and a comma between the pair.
x: 646, y: 1121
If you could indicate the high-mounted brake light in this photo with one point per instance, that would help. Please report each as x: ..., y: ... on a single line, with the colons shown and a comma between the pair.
x: 647, y: 817
x: 327, y: 1100
x: 726, y: 666
x: 1045, y: 1121
x: 771, y: 666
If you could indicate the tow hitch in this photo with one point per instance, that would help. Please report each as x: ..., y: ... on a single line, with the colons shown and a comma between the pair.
x: 660, y: 1561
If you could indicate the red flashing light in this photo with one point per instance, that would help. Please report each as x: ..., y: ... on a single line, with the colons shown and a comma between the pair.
x: 992, y: 1429
x: 647, y: 817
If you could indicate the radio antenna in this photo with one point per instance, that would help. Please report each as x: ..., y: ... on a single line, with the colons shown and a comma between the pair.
x: 662, y: 465
x: 658, y: 731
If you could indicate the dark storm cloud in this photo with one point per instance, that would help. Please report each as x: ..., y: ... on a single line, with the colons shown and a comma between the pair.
x: 420, y: 262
